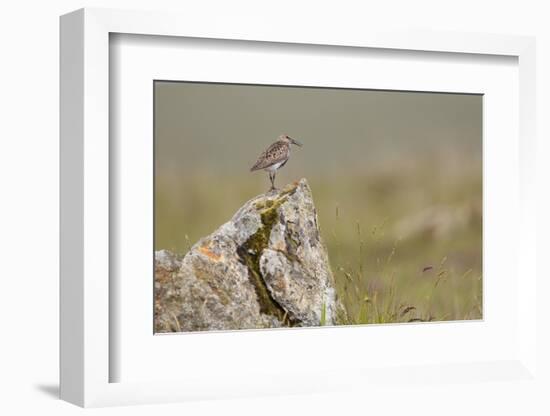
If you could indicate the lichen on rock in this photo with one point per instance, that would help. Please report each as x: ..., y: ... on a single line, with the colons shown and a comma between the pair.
x: 267, y: 267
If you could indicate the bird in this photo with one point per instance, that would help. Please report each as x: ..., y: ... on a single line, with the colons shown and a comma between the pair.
x: 275, y: 157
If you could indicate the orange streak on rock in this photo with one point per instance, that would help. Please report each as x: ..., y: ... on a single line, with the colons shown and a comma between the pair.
x: 213, y: 256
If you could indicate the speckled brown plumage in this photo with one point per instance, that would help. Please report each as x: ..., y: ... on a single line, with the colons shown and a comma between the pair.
x: 275, y: 157
x: 276, y: 153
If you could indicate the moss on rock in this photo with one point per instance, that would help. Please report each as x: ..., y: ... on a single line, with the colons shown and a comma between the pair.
x: 251, y: 251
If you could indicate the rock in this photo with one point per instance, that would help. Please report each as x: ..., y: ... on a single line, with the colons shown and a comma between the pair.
x: 265, y: 268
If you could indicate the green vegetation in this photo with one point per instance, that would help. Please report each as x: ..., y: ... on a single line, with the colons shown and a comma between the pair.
x: 404, y: 244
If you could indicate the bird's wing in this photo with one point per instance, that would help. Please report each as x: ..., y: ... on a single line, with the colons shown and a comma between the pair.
x: 275, y: 153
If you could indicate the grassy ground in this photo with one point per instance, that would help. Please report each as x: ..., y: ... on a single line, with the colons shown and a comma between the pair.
x: 404, y: 244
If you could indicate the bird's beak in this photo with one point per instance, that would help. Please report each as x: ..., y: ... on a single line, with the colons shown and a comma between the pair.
x: 296, y: 142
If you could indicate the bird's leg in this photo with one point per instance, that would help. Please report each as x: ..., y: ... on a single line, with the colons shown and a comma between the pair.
x: 272, y: 179
x: 273, y: 182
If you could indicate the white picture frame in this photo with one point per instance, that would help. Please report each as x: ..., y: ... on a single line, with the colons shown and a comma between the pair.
x: 86, y: 353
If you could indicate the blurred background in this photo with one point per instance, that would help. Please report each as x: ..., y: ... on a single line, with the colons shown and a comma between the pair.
x: 396, y: 178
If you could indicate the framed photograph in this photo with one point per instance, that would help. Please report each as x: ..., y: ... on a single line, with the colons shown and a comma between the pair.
x: 292, y: 208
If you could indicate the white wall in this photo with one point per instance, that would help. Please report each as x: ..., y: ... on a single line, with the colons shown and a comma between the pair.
x: 29, y: 205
